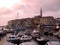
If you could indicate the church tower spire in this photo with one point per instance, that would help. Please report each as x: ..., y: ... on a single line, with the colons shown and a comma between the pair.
x: 41, y: 12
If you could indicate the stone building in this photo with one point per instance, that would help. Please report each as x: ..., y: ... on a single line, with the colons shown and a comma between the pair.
x: 48, y: 20
x: 14, y: 23
x: 26, y: 22
x: 46, y: 24
x: 57, y: 20
x: 19, y: 23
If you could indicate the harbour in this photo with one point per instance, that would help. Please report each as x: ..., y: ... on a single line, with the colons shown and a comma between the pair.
x: 31, y: 31
x: 42, y: 41
x: 37, y: 30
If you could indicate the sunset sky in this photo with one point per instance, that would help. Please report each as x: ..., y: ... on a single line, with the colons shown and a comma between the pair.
x: 27, y: 8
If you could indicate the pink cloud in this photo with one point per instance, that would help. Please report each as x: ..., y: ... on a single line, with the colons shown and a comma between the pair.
x: 5, y: 18
x: 17, y: 7
x: 30, y: 8
x: 4, y: 11
x: 52, y: 13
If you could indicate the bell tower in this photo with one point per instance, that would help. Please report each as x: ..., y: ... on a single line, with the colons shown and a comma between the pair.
x: 41, y: 12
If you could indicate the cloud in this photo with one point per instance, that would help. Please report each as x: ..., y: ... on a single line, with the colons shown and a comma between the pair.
x: 51, y: 5
x: 28, y: 8
x: 17, y: 7
x: 52, y: 13
x: 4, y: 11
x: 5, y: 18
x: 31, y: 8
x: 51, y: 8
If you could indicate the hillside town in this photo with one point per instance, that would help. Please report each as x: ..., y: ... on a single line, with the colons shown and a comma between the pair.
x: 41, y: 29
x: 40, y: 22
